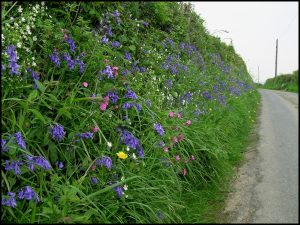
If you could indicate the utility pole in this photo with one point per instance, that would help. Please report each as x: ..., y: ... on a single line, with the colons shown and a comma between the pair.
x: 258, y: 75
x: 276, y: 57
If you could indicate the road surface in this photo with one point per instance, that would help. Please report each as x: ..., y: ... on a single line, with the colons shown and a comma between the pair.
x: 266, y: 186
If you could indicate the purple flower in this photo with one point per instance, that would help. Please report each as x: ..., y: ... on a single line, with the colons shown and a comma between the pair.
x: 113, y: 97
x: 12, y: 59
x: 2, y: 67
x: 28, y: 194
x: 131, y: 141
x: 146, y: 24
x: 94, y: 180
x: 127, y: 56
x: 138, y: 106
x: 81, y: 64
x: 20, y: 140
x: 109, y: 32
x: 104, y: 39
x: 148, y: 103
x: 3, y: 147
x: 116, y: 15
x: 127, y: 105
x: 38, y: 160
x: 119, y: 191
x: 182, y: 45
x: 142, y: 69
x: 115, y: 44
x: 86, y: 135
x: 170, y: 83
x: 11, y: 202
x: 159, y: 129
x: 71, y: 44
x: 161, y: 144
x: 13, y: 165
x: 60, y: 165
x: 107, y: 71
x: 71, y: 63
x: 35, y: 76
x: 106, y: 161
x: 57, y: 132
x: 207, y: 95
x: 55, y: 58
x: 130, y: 94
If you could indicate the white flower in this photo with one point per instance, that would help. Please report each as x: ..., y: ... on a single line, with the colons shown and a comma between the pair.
x: 11, y: 18
x: 126, y: 196
x: 33, y: 64
x: 125, y: 187
x: 109, y: 144
x: 20, y: 9
x: 34, y: 38
x: 33, y: 58
x: 133, y: 156
x: 127, y: 148
x: 16, y: 24
x: 19, y: 44
x: 27, y: 27
x: 122, y: 178
x: 2, y: 36
x: 29, y: 32
x: 23, y: 19
x: 42, y: 3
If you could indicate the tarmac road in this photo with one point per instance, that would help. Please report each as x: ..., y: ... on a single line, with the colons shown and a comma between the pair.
x: 266, y: 186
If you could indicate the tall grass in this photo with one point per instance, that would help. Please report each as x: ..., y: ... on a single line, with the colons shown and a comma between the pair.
x: 160, y: 152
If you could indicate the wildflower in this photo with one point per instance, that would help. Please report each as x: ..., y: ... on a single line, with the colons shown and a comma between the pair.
x: 85, y: 84
x: 115, y: 44
x: 106, y: 161
x: 86, y: 135
x: 104, y: 39
x: 113, y: 96
x: 188, y: 123
x: 13, y: 165
x: 116, y: 15
x: 177, y: 157
x: 115, y: 70
x: 94, y: 180
x: 71, y: 44
x: 133, y: 156
x: 184, y: 171
x: 119, y: 191
x: 125, y: 187
x: 95, y: 129
x: 38, y: 160
x: 142, y: 69
x: 11, y: 202
x: 178, y: 115
x: 35, y: 76
x: 170, y: 83
x: 122, y: 155
x: 166, y: 149
x: 159, y: 129
x: 137, y: 106
x: 103, y: 106
x: 107, y: 71
x: 28, y: 194
x: 171, y: 114
x: 3, y: 147
x: 34, y: 38
x: 192, y: 157
x: 180, y: 137
x: 57, y: 132
x: 55, y: 58
x: 81, y: 64
x: 130, y: 94
x: 106, y: 61
x: 161, y: 144
x: 60, y: 165
x: 11, y: 51
x: 146, y: 24
x: 20, y: 140
x: 71, y: 63
x: 20, y: 9
x: 2, y: 67
x: 127, y: 56
x: 148, y: 103
x: 109, y: 144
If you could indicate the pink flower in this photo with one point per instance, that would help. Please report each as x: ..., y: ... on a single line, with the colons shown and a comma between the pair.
x: 93, y: 167
x: 115, y: 70
x: 174, y: 139
x: 166, y: 149
x: 103, y: 106
x: 184, y: 172
x: 95, y: 129
x: 177, y: 157
x: 178, y: 115
x: 106, y: 61
x: 192, y: 157
x: 106, y: 99
x: 188, y: 123
x: 180, y: 137
x: 171, y: 114
x: 85, y: 84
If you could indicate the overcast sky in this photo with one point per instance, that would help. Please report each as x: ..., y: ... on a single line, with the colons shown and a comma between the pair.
x: 254, y: 27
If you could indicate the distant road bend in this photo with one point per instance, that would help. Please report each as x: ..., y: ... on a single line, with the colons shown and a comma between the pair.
x: 267, y: 184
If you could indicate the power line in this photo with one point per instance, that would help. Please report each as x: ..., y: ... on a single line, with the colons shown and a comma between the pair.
x: 287, y: 27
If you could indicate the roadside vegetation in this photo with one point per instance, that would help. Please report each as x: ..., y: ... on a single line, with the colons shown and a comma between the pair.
x: 286, y: 82
x: 118, y: 112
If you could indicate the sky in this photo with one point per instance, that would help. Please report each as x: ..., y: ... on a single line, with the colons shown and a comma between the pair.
x: 253, y: 28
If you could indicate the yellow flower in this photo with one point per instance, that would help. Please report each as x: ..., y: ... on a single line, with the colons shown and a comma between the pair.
x: 122, y: 155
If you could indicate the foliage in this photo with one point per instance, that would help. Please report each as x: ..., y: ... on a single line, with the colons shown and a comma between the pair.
x: 286, y: 82
x: 115, y: 111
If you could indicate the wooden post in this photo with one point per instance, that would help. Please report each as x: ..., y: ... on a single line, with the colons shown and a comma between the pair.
x: 276, y: 57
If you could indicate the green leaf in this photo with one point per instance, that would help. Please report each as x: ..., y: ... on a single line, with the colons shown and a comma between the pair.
x: 41, y: 87
x: 132, y: 48
x: 53, y: 152
x: 32, y: 95
x: 38, y: 115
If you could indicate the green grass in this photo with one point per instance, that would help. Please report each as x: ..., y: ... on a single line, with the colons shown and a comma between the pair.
x: 286, y: 82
